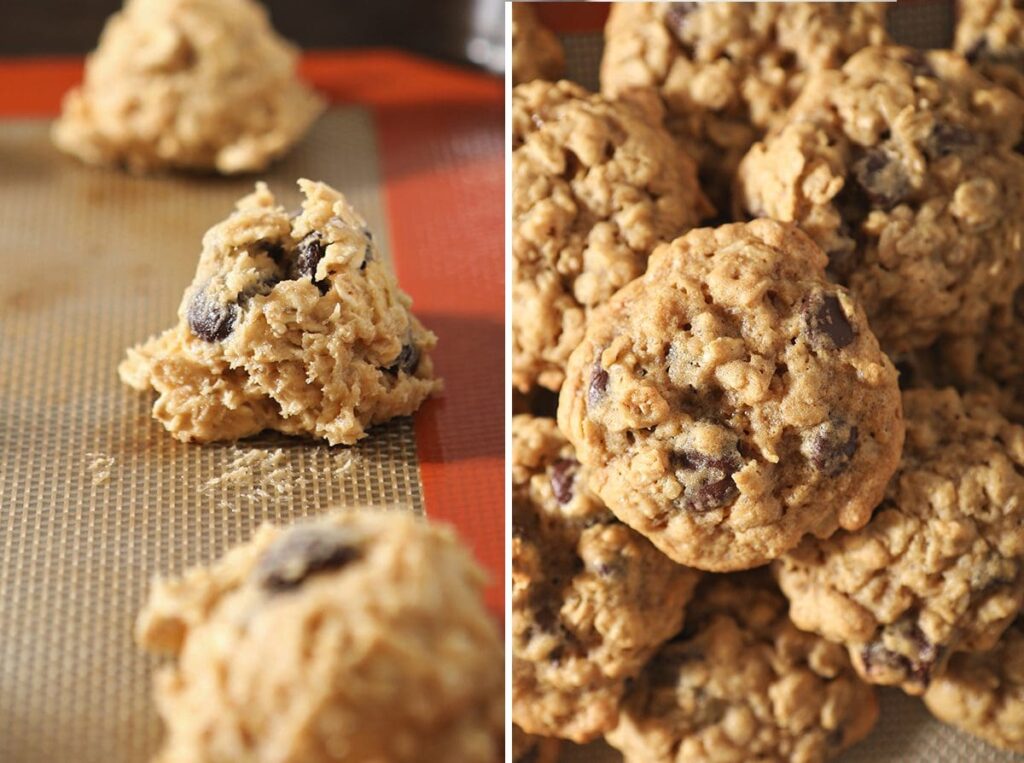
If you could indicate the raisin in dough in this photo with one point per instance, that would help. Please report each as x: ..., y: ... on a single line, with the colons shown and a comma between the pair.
x: 292, y: 323
x: 591, y: 599
x: 536, y: 51
x: 902, y: 168
x: 594, y: 189
x: 732, y: 399
x: 982, y: 693
x: 939, y: 567
x: 742, y: 684
x: 358, y: 637
x: 188, y: 84
x: 990, y: 33
x: 722, y: 73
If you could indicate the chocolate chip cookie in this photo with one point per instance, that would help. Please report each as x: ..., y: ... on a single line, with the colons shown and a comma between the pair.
x: 983, y: 692
x: 902, y: 167
x: 990, y: 33
x: 361, y: 636
x: 939, y: 567
x: 188, y: 84
x: 292, y: 323
x: 722, y: 73
x: 732, y: 399
x: 594, y: 189
x: 591, y: 599
x: 741, y: 683
x: 536, y: 51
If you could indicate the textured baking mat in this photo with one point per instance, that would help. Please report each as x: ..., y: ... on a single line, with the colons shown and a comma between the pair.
x: 906, y: 732
x: 95, y: 497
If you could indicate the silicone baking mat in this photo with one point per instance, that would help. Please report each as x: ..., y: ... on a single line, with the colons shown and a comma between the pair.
x: 906, y: 732
x: 95, y: 497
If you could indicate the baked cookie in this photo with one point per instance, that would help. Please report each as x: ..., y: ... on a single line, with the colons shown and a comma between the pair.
x: 527, y: 748
x: 722, y: 73
x: 983, y: 692
x: 990, y: 33
x: 292, y: 323
x: 361, y: 636
x: 536, y: 51
x: 741, y: 683
x: 939, y: 567
x: 902, y: 168
x: 591, y: 599
x: 732, y: 399
x: 188, y: 84
x: 594, y: 188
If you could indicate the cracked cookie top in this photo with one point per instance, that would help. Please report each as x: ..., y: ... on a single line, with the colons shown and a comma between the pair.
x: 990, y: 33
x: 594, y: 189
x: 591, y: 599
x: 902, y: 167
x: 732, y: 399
x: 536, y: 51
x: 938, y: 568
x: 742, y: 683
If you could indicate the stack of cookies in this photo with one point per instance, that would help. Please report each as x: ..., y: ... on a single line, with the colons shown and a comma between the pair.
x: 768, y: 360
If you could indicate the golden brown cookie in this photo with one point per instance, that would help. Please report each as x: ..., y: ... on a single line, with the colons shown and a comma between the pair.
x: 990, y: 33
x: 536, y: 51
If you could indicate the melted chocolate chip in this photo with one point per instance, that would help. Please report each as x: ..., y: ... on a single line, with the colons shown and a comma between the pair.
x: 707, y: 480
x: 563, y: 474
x: 308, y: 255
x: 824, y: 318
x: 408, y: 360
x: 830, y: 447
x: 883, y: 177
x: 598, y: 387
x: 210, y: 320
x: 947, y: 138
x: 302, y: 552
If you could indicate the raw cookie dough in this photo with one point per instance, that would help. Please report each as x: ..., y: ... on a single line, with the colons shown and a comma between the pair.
x: 591, y: 599
x: 938, y: 568
x: 902, y: 168
x: 741, y: 683
x: 732, y: 399
x: 188, y: 84
x: 983, y: 692
x: 527, y: 748
x: 594, y: 189
x: 357, y: 637
x: 722, y: 73
x: 536, y: 51
x: 990, y: 33
x: 292, y: 323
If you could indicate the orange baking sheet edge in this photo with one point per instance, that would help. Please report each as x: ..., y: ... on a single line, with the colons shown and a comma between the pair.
x: 413, y: 100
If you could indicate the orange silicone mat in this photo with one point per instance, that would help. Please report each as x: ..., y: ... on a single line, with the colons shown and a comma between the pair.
x: 95, y: 497
x: 906, y: 732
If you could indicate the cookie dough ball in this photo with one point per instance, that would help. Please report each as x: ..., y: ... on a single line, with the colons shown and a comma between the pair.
x: 902, y: 168
x: 732, y: 399
x: 527, y: 748
x: 722, y: 73
x: 990, y: 33
x: 188, y: 84
x: 982, y: 693
x: 292, y: 323
x: 591, y: 599
x: 594, y: 189
x: 536, y: 51
x: 939, y: 567
x: 741, y: 683
x: 361, y: 636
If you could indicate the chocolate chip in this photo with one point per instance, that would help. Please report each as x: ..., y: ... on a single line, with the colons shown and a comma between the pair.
x: 946, y: 139
x: 273, y: 249
x: 563, y: 474
x: 309, y: 253
x: 707, y: 480
x: 883, y: 177
x: 408, y: 360
x: 209, y: 319
x: 830, y: 446
x: 302, y: 552
x: 916, y: 670
x: 824, y: 317
x: 598, y: 387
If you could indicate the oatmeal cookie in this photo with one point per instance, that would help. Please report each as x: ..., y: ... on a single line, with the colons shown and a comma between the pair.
x: 292, y: 323
x: 990, y: 33
x: 732, y: 399
x: 188, y: 84
x: 594, y: 189
x: 536, y: 51
x: 722, y: 73
x: 361, y: 636
x: 741, y: 683
x: 983, y: 692
x: 939, y: 567
x: 901, y: 167
x: 591, y: 599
